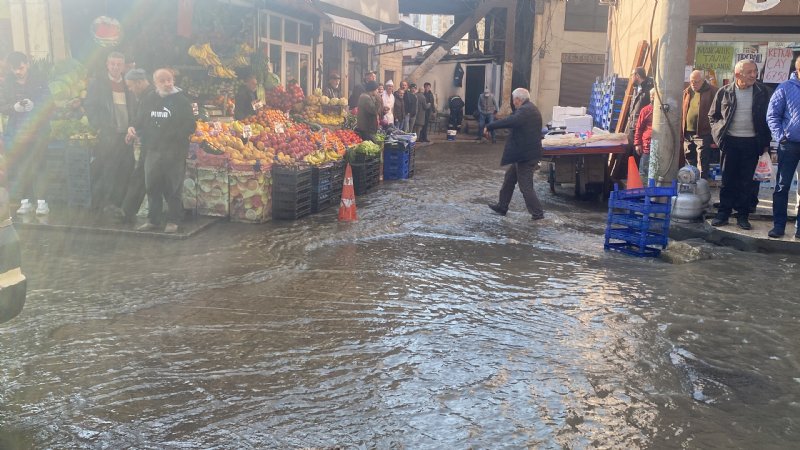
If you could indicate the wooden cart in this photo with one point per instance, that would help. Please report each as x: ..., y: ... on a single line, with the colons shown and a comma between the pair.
x: 586, y: 167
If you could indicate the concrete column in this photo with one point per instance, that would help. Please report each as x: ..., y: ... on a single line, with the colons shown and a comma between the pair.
x: 671, y: 31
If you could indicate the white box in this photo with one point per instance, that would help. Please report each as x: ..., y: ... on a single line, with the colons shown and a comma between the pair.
x: 561, y: 112
x: 578, y: 124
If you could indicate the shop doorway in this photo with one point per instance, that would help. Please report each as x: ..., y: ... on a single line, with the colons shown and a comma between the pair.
x: 575, y: 88
x: 476, y: 81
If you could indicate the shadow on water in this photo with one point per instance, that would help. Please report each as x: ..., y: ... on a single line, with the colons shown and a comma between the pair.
x: 426, y: 324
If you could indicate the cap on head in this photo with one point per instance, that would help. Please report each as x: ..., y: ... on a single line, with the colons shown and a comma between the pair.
x: 334, y: 76
x: 390, y: 83
x: 412, y: 85
x: 371, y: 86
x: 135, y: 75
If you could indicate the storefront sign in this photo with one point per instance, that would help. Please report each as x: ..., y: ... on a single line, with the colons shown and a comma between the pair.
x: 106, y: 31
x: 759, y: 5
x: 778, y: 65
x: 714, y: 57
x: 583, y: 58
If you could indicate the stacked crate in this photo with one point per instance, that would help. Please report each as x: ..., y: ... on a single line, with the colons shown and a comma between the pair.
x: 291, y: 192
x: 55, y: 172
x: 366, y: 173
x: 78, y: 160
x: 321, y: 187
x: 638, y: 220
x: 397, y: 160
x: 605, y: 102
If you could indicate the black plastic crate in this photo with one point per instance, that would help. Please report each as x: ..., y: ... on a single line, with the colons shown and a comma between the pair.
x: 290, y: 179
x: 290, y: 209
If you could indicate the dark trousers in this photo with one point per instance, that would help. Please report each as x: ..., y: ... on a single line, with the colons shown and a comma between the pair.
x: 423, y: 134
x: 788, y: 157
x: 25, y: 159
x: 113, y: 165
x: 521, y: 173
x: 697, y: 148
x: 741, y: 158
x: 136, y: 191
x: 163, y: 177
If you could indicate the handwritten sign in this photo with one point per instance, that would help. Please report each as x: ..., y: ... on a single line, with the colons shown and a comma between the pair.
x: 778, y: 65
x: 714, y: 57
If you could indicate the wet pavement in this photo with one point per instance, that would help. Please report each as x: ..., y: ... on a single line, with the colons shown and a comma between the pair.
x: 429, y: 323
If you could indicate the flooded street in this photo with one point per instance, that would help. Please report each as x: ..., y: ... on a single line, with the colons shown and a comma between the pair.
x: 427, y: 324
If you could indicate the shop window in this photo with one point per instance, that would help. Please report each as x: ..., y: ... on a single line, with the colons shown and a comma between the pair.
x: 292, y: 67
x: 306, y: 34
x: 290, y: 31
x: 586, y: 15
x: 275, y: 28
x: 275, y: 57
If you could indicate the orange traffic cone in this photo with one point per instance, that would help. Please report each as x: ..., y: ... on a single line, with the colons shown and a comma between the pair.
x: 634, y: 181
x: 347, y: 208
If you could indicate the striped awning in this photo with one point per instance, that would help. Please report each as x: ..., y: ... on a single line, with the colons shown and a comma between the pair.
x: 351, y: 29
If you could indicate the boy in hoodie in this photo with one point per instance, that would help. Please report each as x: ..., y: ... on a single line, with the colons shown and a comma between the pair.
x: 783, y: 118
x: 164, y: 125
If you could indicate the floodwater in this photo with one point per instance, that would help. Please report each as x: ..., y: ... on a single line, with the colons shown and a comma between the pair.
x: 427, y: 324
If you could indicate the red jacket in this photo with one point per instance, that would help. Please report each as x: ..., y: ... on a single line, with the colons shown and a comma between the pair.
x: 644, y: 129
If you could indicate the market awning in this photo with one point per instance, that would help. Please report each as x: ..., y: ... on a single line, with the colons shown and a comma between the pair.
x: 351, y: 29
x: 405, y: 32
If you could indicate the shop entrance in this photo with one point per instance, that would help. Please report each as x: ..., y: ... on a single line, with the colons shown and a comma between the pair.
x: 476, y: 81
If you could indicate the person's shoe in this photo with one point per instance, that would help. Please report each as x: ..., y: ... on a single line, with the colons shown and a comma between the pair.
x: 171, y: 228
x: 25, y: 207
x: 797, y: 234
x: 496, y: 208
x: 743, y: 223
x: 41, y: 208
x: 494, y: 141
x: 719, y: 221
x: 535, y: 218
x: 147, y: 226
x: 775, y: 233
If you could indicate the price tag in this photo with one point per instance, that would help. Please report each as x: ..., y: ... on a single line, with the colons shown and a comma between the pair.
x: 246, y: 132
x: 257, y: 104
x: 217, y: 125
x: 279, y: 128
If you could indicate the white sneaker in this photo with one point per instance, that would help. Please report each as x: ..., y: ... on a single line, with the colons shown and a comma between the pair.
x: 25, y: 207
x: 42, y: 209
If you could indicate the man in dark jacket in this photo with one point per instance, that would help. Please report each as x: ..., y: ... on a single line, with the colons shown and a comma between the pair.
x: 27, y: 102
x: 164, y: 125
x: 522, y: 152
x: 430, y: 113
x: 411, y: 103
x: 359, y: 89
x: 140, y: 87
x: 641, y: 98
x: 695, y: 128
x: 738, y: 118
x: 106, y: 108
x: 369, y: 106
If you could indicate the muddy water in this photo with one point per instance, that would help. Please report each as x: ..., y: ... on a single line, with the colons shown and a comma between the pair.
x: 427, y: 324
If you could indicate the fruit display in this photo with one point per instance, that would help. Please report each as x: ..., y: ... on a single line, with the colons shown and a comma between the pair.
x: 367, y: 148
x: 348, y: 137
x: 205, y: 56
x: 284, y: 99
x: 212, y: 191
x: 320, y: 157
x: 250, y: 199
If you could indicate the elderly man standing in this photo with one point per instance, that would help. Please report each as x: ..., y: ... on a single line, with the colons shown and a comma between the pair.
x: 140, y: 87
x: 522, y: 152
x: 164, y: 124
x: 696, y: 130
x: 106, y: 108
x: 783, y: 117
x: 369, y: 106
x: 738, y: 118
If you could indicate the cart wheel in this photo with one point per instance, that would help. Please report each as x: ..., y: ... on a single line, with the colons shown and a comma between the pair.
x: 551, y: 178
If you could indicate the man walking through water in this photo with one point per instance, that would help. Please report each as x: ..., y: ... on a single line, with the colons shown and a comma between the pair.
x: 522, y: 153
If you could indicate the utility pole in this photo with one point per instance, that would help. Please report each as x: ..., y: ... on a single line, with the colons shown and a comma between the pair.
x: 670, y: 32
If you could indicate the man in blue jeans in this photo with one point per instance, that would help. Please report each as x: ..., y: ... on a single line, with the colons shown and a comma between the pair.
x: 783, y: 117
x: 487, y: 108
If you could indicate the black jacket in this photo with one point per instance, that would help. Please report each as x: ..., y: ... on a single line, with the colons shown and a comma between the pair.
x: 99, y: 105
x: 165, y: 124
x: 639, y: 101
x: 26, y: 124
x: 244, y: 103
x: 525, y: 142
x: 724, y: 106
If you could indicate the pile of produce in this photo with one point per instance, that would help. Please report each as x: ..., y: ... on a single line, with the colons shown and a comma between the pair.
x: 285, y: 99
x: 367, y: 148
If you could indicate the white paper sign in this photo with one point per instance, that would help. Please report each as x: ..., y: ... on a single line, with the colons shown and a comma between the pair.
x: 757, y: 58
x: 759, y: 5
x: 778, y: 65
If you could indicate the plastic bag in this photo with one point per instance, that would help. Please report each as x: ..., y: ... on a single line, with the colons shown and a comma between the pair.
x: 764, y: 168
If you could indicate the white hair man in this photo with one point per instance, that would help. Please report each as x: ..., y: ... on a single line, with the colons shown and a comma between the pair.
x: 522, y: 153
x: 695, y: 128
x: 738, y: 118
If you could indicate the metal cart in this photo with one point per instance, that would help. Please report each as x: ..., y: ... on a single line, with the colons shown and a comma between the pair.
x: 586, y: 167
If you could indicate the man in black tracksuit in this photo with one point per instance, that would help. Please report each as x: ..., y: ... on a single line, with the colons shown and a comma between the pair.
x: 738, y: 118
x: 522, y: 153
x: 164, y: 124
